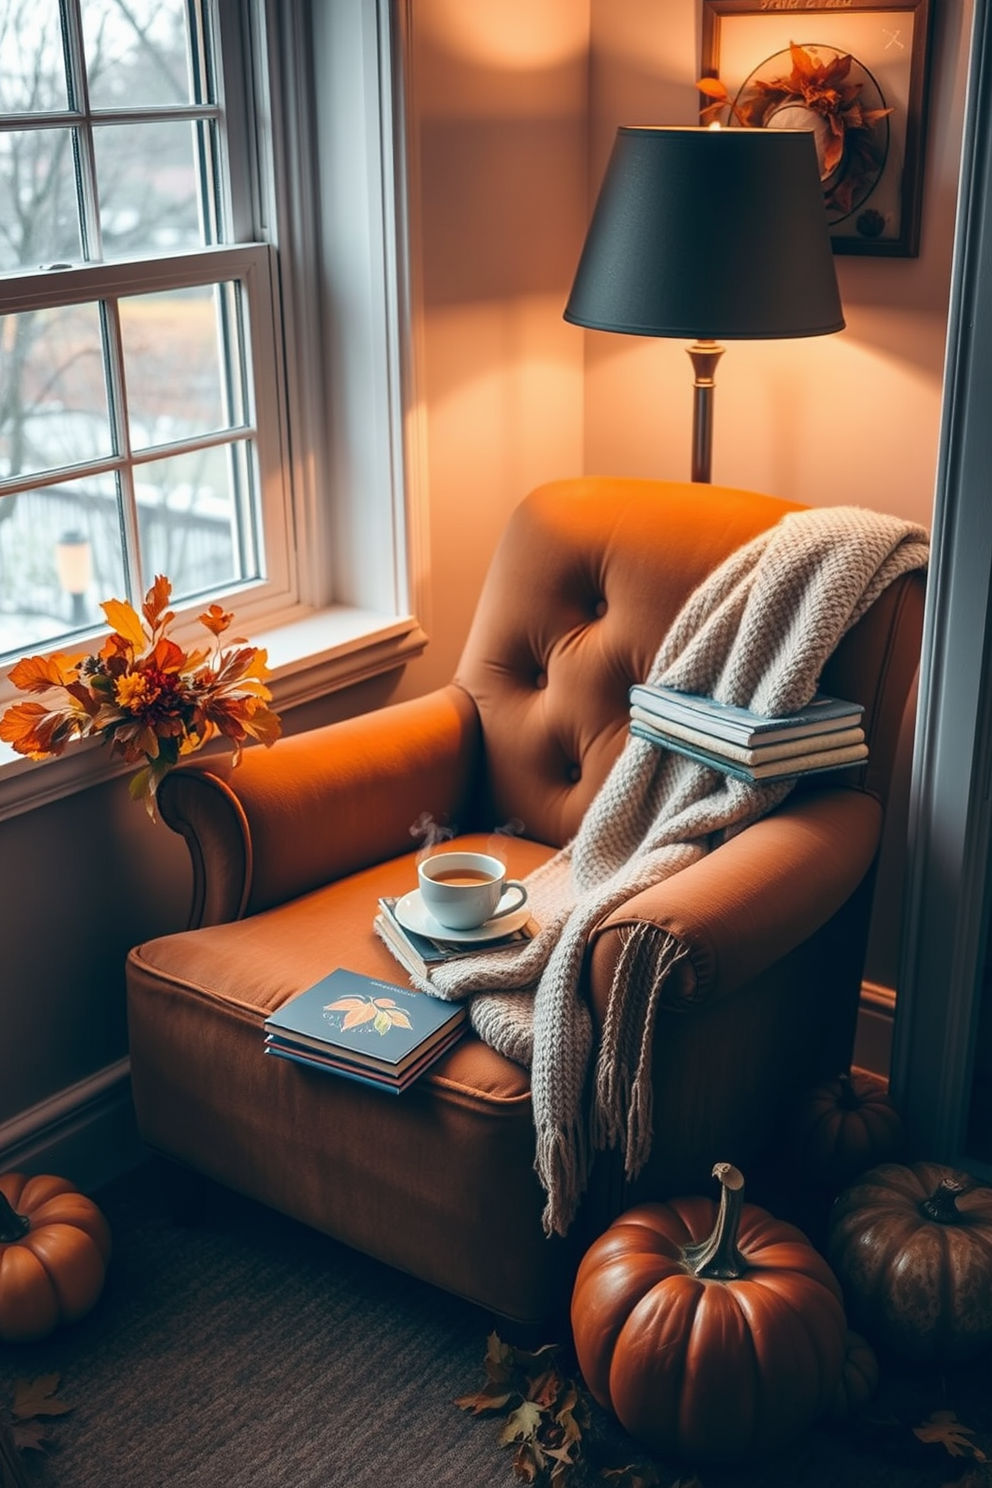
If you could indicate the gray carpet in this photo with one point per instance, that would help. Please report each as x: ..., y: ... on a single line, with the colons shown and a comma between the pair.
x: 246, y: 1351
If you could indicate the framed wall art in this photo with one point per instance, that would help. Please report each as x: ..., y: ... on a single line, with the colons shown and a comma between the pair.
x: 855, y: 73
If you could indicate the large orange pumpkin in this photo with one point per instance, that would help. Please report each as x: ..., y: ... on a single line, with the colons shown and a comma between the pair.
x: 912, y: 1246
x: 715, y: 1334
x: 54, y: 1249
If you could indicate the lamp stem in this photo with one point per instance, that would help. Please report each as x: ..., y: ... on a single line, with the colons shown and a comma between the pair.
x: 704, y: 355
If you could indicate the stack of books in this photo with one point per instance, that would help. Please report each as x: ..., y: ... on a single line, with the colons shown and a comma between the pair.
x: 826, y: 735
x: 365, y: 1029
x: 419, y: 954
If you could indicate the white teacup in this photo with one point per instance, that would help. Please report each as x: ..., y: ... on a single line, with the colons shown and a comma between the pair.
x: 463, y: 890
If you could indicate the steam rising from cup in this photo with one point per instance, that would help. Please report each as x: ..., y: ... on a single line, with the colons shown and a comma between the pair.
x: 496, y: 846
x: 433, y: 834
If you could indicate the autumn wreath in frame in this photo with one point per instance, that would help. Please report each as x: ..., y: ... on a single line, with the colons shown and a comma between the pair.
x: 856, y: 75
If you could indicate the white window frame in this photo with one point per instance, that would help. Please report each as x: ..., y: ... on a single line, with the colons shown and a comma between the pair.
x: 331, y: 199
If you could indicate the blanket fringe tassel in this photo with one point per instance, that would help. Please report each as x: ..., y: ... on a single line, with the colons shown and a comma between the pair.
x: 623, y: 1107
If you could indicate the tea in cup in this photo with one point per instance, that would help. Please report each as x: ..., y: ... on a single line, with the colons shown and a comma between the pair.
x: 463, y: 890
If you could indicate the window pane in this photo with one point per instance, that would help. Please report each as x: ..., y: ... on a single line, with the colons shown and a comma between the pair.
x: 60, y: 555
x: 191, y: 510
x: 136, y: 54
x: 39, y: 220
x: 147, y: 183
x: 32, y: 77
x: 176, y: 347
x: 53, y: 394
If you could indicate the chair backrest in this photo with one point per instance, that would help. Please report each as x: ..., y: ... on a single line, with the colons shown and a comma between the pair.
x: 586, y: 580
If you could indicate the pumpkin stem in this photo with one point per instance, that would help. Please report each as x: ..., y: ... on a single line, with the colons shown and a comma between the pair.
x: 718, y: 1258
x: 848, y: 1099
x: 13, y: 1226
x: 941, y: 1205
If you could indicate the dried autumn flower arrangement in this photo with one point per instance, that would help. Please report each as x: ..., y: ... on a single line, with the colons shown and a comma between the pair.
x: 145, y: 695
x: 822, y: 85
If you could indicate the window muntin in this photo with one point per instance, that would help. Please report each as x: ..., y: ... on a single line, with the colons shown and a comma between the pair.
x: 133, y: 342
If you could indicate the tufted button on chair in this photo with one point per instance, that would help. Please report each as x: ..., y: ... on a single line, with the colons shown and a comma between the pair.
x: 291, y: 850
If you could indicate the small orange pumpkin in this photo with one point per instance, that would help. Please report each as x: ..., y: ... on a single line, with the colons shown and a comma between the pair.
x: 714, y: 1335
x: 845, y: 1126
x: 54, y: 1249
x: 912, y: 1246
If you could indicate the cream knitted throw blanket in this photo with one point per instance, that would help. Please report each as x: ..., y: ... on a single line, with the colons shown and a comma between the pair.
x: 757, y: 633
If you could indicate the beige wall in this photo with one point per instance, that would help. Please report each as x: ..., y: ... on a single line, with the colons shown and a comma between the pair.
x: 500, y: 96
x: 515, y: 103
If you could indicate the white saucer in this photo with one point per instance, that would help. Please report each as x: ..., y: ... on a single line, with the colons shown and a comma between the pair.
x: 413, y: 915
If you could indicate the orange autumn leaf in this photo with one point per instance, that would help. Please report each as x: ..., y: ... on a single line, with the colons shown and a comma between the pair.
x: 216, y: 619
x: 39, y: 673
x: 358, y: 1016
x: 153, y: 701
x: 381, y: 1012
x: 155, y: 603
x: 124, y: 619
x: 824, y: 74
x: 716, y: 89
x: 33, y: 730
x: 166, y: 656
x: 395, y: 1017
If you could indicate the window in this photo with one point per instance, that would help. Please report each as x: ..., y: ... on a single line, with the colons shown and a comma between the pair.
x: 136, y: 340
x: 183, y: 212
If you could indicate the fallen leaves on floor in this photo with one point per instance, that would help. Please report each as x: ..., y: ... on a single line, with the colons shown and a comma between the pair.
x: 548, y: 1410
x: 551, y: 1424
x: 944, y: 1427
x: 33, y: 1401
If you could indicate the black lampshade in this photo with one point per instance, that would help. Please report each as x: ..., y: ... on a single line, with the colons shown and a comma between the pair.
x: 709, y: 233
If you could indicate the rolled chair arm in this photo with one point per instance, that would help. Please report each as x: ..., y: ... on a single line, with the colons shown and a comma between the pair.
x: 751, y: 901
x: 320, y: 804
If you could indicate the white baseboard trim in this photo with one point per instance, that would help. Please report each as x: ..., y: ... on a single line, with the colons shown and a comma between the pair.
x: 86, y: 1133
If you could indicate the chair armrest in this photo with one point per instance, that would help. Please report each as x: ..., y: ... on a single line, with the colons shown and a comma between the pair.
x: 751, y: 901
x: 321, y: 804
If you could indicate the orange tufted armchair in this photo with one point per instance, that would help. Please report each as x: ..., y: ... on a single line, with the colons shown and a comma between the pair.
x: 291, y: 851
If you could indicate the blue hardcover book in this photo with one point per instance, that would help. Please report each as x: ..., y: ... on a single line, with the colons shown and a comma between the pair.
x: 739, y: 725
x: 368, y: 1024
x: 396, y: 1081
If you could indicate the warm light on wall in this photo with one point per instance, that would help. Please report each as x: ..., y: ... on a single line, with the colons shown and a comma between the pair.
x: 510, y: 34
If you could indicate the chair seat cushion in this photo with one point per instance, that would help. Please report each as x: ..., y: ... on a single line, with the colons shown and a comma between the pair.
x: 451, y: 1155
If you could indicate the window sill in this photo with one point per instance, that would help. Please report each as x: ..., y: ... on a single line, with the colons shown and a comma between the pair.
x: 308, y: 658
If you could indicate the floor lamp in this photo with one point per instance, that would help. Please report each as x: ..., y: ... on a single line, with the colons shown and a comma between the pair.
x: 707, y: 233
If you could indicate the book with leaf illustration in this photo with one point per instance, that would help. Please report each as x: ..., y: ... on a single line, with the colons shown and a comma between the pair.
x: 352, y: 1023
x: 395, y: 1081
